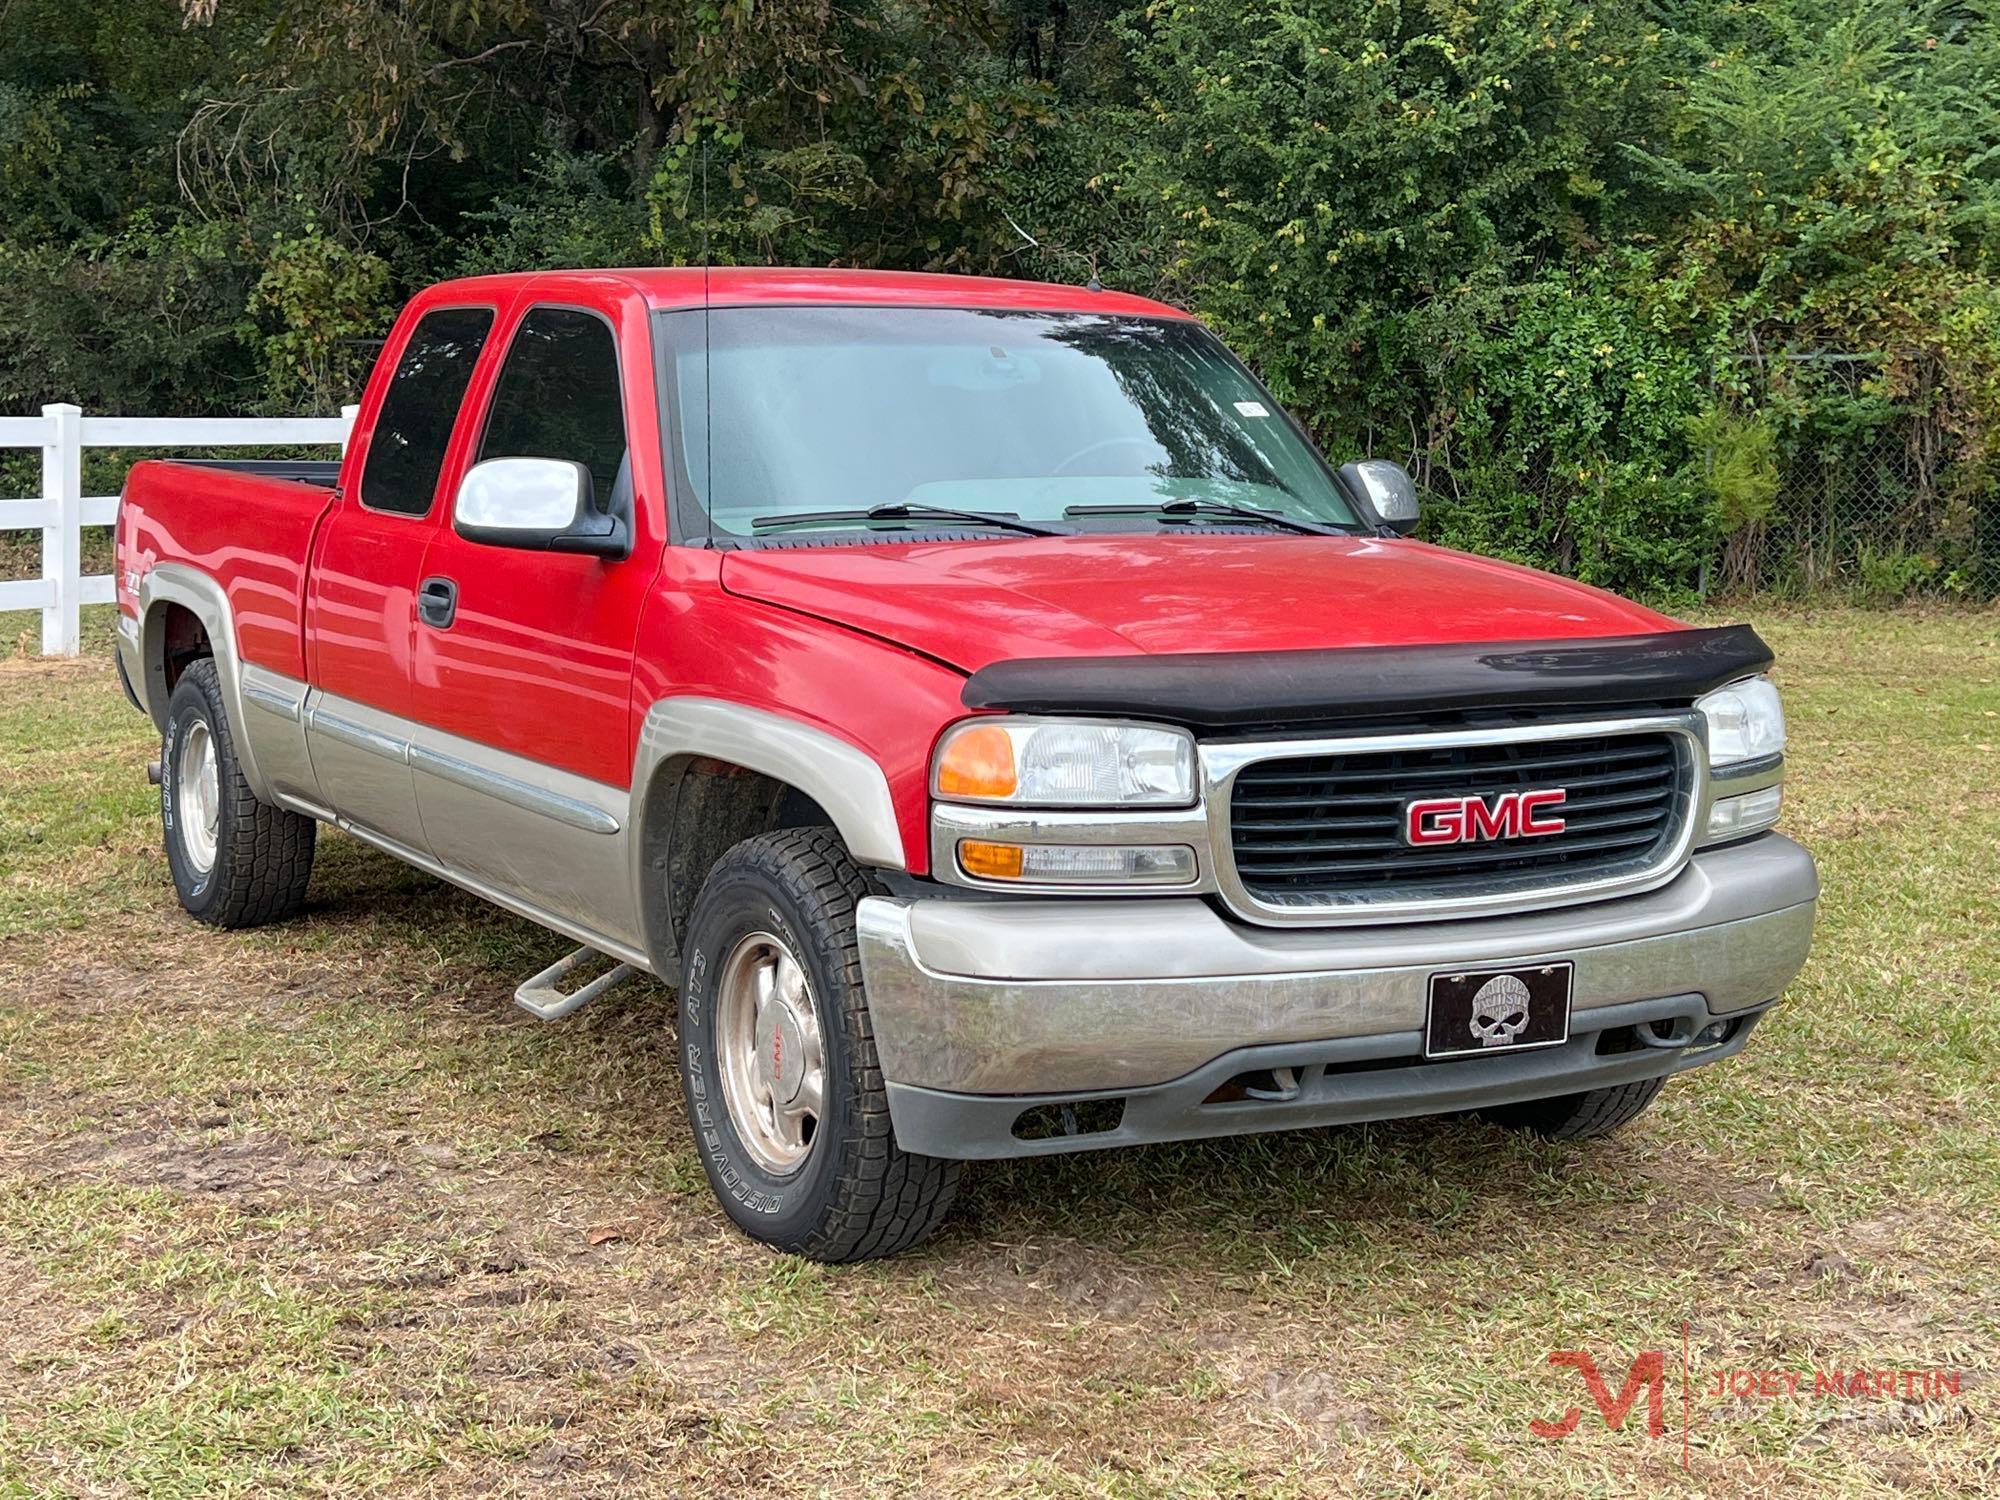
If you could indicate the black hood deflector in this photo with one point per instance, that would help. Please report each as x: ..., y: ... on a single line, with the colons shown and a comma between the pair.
x: 1220, y: 690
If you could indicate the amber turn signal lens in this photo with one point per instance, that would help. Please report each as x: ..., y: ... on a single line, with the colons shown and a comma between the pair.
x: 990, y: 861
x: 978, y: 762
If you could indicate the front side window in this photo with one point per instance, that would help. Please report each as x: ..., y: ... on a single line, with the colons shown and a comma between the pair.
x: 1046, y: 417
x: 406, y: 450
x: 558, y: 397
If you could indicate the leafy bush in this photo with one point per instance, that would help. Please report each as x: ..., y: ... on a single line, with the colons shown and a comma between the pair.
x: 1570, y: 444
x: 1345, y: 186
x: 146, y: 320
x: 1739, y: 471
x: 1888, y: 575
x: 1834, y: 176
x: 324, y: 297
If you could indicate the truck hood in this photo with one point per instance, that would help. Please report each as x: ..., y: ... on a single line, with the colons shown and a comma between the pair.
x: 973, y: 603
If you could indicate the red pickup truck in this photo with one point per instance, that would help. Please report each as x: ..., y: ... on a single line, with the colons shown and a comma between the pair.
x: 985, y: 707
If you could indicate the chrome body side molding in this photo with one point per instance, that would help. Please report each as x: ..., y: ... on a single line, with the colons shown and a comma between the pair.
x: 487, y: 818
x: 572, y: 812
x: 552, y: 838
x: 273, y: 693
x: 274, y: 718
x: 346, y: 731
x: 361, y: 763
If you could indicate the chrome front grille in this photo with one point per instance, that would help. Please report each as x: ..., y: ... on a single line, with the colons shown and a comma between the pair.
x: 1317, y: 829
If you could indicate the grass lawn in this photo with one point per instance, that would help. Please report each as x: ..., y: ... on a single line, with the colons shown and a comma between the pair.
x: 315, y: 1209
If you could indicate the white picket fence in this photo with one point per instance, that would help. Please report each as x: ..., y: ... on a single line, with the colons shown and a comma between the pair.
x: 62, y: 510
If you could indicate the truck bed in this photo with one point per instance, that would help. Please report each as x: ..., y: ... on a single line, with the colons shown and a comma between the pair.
x: 248, y: 524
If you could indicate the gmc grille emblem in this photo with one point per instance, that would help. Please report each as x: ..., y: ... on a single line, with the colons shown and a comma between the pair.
x: 1469, y: 820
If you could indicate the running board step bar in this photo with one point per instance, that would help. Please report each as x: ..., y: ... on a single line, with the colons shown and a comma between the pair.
x: 544, y: 997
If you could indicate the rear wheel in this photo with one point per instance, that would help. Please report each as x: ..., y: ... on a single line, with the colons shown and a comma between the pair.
x: 784, y: 1092
x: 236, y: 861
x: 1579, y: 1117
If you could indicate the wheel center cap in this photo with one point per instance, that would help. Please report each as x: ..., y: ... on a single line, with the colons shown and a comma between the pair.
x: 781, y: 1053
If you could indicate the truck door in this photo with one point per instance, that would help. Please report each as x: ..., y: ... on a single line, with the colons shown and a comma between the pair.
x: 362, y: 584
x: 523, y: 681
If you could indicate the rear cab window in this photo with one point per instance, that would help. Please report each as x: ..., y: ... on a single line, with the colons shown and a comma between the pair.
x: 413, y: 428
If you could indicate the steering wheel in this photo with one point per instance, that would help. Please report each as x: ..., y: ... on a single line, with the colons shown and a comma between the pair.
x: 1102, y: 443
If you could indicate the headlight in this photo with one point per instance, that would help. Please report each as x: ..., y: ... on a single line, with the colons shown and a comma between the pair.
x: 1745, y: 722
x: 1064, y: 763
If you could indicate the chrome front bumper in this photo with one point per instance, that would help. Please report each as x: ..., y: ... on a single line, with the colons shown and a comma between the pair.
x: 983, y: 1010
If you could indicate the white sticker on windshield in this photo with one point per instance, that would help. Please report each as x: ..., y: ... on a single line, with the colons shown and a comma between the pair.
x: 1253, y: 409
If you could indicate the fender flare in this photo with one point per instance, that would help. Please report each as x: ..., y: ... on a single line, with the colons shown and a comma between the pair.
x: 840, y: 777
x: 202, y: 596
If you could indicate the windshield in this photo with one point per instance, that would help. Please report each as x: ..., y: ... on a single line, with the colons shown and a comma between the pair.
x: 1037, y: 416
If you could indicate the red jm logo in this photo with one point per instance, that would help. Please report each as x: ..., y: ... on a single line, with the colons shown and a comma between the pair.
x: 1648, y: 1373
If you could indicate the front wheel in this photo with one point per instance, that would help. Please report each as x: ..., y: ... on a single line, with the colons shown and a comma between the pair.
x: 784, y: 1092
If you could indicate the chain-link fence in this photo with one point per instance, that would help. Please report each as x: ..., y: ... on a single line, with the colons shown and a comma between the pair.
x: 1875, y: 497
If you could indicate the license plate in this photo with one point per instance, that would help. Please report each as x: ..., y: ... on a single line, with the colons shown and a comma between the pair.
x: 1480, y: 1012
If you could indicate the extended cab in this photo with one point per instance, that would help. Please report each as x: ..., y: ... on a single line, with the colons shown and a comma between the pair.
x: 985, y: 707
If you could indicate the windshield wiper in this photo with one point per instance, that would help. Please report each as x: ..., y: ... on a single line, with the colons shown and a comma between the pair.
x: 1199, y: 508
x: 900, y: 510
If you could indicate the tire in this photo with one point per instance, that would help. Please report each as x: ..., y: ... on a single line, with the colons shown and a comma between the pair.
x: 248, y: 864
x: 833, y: 1185
x: 1579, y: 1117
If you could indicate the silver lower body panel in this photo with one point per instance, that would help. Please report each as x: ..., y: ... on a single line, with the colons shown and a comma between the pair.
x: 1042, y: 998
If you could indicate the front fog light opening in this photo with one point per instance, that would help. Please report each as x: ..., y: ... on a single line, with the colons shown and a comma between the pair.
x: 1751, y: 812
x: 1078, y: 864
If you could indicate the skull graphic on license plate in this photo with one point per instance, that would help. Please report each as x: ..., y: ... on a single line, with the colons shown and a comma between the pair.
x: 1498, y: 1010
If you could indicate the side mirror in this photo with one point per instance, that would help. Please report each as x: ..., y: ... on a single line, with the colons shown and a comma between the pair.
x: 1388, y: 490
x: 539, y: 504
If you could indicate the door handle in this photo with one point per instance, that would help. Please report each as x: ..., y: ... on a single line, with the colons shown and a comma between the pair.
x: 437, y: 602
